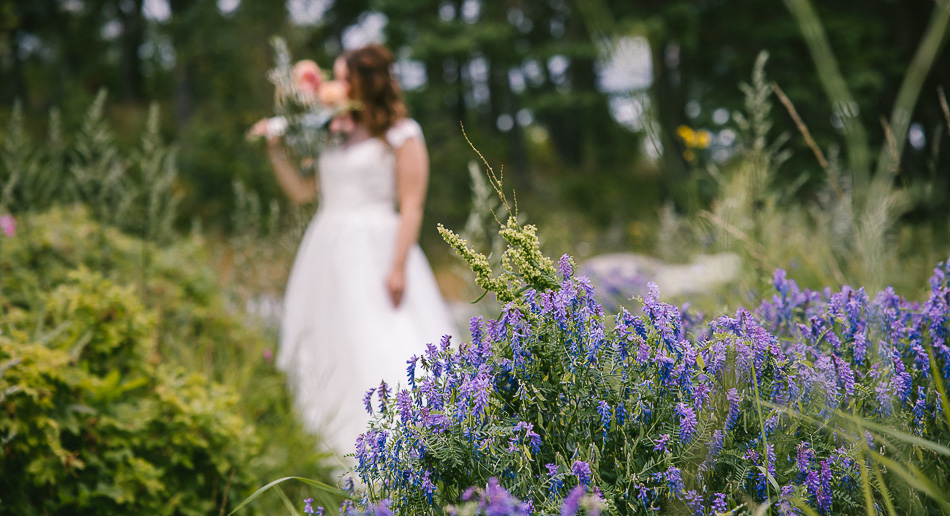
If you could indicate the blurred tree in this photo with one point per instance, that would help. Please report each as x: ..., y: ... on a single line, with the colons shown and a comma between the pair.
x: 523, y: 76
x: 702, y: 49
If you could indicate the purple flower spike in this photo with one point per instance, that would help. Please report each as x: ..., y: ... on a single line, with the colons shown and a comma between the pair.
x: 565, y: 267
x: 674, y: 480
x: 733, y: 417
x: 582, y: 471
x: 383, y: 393
x: 719, y: 503
x: 604, y: 410
x: 411, y: 370
x: 367, y: 399
x: 688, y: 422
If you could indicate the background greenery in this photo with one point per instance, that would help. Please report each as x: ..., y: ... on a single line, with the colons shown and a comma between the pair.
x: 203, y: 62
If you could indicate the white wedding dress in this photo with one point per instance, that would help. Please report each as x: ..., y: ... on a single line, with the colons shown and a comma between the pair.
x: 340, y: 334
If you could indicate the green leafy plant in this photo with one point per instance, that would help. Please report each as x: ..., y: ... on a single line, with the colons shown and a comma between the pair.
x: 131, y: 382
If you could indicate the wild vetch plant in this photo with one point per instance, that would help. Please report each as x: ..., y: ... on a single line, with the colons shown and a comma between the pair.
x: 816, y: 402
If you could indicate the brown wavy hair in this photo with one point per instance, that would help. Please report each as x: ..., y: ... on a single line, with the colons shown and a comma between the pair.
x: 373, y: 84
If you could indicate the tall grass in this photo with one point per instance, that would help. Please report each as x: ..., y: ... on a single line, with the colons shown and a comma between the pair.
x: 849, y: 232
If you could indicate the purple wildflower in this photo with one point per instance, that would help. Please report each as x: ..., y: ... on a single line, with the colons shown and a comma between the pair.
x: 554, y: 478
x: 363, y: 457
x: 379, y: 509
x: 824, y: 498
x: 860, y: 347
x: 845, y: 376
x: 694, y: 501
x: 813, y: 482
x: 307, y: 509
x: 621, y: 413
x: 883, y: 390
x: 804, y: 456
x: 733, y: 417
x: 411, y: 371
x: 771, y: 424
x: 475, y: 329
x: 919, y: 407
x: 785, y: 504
x: 604, y: 410
x: 715, y: 447
x: 719, y: 503
x: 582, y: 471
x: 565, y: 267
x: 688, y: 421
x: 427, y: 486
x: 661, y: 443
x: 367, y: 399
x: 573, y: 501
x: 674, y: 479
x: 643, y: 495
x: 404, y: 403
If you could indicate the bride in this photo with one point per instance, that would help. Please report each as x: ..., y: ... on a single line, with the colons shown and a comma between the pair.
x: 361, y: 298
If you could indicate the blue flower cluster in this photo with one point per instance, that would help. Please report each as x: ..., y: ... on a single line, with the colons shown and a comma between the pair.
x: 555, y: 399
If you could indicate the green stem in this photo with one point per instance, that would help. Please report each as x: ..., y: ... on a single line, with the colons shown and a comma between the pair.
x: 765, y: 442
x: 836, y: 88
x: 930, y: 46
x: 938, y: 379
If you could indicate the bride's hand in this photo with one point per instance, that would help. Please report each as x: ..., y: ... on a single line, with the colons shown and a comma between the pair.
x: 258, y: 130
x: 396, y: 285
x: 262, y: 129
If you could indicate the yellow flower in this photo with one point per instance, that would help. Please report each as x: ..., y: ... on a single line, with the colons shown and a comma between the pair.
x: 703, y: 139
x: 685, y: 134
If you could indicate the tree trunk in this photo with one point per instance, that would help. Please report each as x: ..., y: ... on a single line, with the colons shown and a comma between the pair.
x: 133, y: 35
x: 667, y: 94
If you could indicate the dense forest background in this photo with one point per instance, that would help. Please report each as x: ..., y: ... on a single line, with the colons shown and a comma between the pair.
x: 604, y: 110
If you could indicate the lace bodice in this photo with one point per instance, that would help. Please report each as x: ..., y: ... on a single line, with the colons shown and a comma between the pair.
x: 362, y: 175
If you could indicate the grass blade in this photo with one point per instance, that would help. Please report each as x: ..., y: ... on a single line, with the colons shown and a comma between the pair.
x: 275, y: 483
x: 915, y: 478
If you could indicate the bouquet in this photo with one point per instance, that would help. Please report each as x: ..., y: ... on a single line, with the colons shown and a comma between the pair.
x: 311, y: 111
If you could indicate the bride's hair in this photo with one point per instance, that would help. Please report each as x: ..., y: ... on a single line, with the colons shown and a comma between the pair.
x: 374, y: 85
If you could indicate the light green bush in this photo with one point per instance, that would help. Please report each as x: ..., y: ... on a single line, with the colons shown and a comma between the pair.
x: 90, y: 426
x: 125, y: 392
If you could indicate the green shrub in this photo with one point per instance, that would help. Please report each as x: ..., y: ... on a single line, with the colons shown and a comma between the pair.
x: 89, y: 425
x: 133, y: 387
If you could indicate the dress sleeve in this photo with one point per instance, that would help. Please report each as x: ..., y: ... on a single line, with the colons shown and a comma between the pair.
x: 402, y: 131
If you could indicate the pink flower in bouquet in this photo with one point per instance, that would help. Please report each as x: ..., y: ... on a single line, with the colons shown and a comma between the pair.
x: 307, y: 76
x: 333, y: 93
x: 8, y: 225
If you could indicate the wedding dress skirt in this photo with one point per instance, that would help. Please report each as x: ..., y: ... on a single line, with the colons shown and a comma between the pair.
x: 340, y: 334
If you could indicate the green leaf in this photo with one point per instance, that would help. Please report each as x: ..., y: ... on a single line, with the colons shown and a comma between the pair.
x: 314, y: 483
